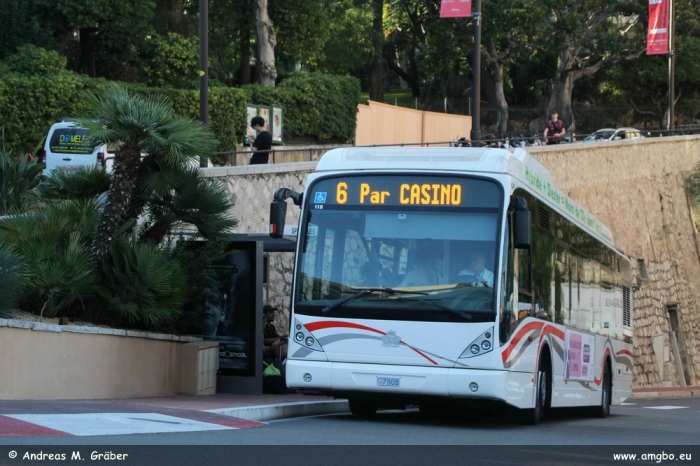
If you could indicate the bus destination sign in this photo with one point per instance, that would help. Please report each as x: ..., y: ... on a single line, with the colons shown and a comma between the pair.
x: 405, y: 191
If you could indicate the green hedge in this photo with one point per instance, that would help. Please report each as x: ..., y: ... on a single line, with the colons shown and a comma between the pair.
x: 320, y: 106
x: 30, y: 104
x: 227, y: 112
x: 315, y: 105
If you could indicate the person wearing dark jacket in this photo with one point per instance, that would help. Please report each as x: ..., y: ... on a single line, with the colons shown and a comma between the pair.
x: 262, y: 145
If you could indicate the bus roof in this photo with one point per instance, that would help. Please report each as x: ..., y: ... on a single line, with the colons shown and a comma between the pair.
x: 518, y: 163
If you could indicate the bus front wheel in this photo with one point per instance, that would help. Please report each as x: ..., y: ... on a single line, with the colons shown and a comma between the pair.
x: 362, y: 407
x: 603, y: 410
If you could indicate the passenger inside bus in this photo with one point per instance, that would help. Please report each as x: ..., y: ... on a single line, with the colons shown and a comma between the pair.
x: 429, y: 269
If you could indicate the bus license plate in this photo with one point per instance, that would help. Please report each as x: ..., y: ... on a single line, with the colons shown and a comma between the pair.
x: 388, y: 381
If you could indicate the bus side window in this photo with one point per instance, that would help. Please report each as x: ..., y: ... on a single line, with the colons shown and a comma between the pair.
x: 522, y: 269
x: 508, y: 314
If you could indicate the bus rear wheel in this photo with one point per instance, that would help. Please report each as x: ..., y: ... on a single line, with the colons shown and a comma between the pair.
x: 362, y: 407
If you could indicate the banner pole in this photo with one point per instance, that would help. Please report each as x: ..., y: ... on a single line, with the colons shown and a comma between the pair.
x: 671, y: 70
x: 476, y: 80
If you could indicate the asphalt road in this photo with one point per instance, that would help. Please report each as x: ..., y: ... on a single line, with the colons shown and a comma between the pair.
x: 660, y: 422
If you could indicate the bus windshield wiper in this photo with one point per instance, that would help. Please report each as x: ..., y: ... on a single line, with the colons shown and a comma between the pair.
x: 364, y: 292
x: 432, y: 303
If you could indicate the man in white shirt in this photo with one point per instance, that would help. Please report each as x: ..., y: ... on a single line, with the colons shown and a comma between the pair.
x: 477, y: 272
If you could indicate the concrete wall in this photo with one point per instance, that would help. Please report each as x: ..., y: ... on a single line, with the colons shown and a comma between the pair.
x: 41, y: 361
x: 637, y: 188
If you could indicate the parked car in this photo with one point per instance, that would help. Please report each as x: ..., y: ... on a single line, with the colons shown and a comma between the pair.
x: 613, y: 135
x: 68, y: 145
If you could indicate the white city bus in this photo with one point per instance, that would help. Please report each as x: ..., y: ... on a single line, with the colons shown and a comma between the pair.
x: 427, y: 275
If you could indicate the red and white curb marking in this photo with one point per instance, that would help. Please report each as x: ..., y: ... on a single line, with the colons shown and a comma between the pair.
x: 54, y: 425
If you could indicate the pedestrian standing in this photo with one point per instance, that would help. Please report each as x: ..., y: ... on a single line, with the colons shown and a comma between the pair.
x: 555, y: 129
x: 262, y: 145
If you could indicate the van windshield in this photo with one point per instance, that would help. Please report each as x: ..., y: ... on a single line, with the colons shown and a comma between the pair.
x: 71, y: 141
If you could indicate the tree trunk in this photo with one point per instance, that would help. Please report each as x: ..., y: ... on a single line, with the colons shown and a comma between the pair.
x: 376, y: 92
x: 245, y: 58
x: 496, y: 94
x: 265, y: 42
x: 501, y: 103
x: 122, y: 187
x: 87, y: 51
x: 560, y: 100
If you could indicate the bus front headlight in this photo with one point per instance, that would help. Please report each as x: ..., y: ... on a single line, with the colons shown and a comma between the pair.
x: 483, y: 344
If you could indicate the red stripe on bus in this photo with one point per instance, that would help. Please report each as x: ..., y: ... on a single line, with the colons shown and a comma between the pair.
x: 602, y: 367
x: 331, y: 324
x: 626, y: 352
x: 518, y: 336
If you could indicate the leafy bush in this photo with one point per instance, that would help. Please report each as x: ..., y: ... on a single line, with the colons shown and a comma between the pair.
x: 30, y: 104
x: 172, y: 60
x: 9, y: 280
x: 53, y: 245
x: 142, y: 283
x: 316, y: 105
x: 17, y: 177
x: 84, y: 182
x: 227, y: 113
x: 32, y: 60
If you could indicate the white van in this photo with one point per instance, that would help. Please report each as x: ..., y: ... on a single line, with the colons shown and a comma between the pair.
x: 67, y: 146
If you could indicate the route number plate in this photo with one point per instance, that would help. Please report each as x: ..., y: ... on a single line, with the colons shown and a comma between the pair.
x: 388, y: 381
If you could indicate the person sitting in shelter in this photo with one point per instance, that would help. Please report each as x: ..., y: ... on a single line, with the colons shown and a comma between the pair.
x: 269, y: 344
x: 429, y: 270
x: 271, y: 337
x: 477, y: 271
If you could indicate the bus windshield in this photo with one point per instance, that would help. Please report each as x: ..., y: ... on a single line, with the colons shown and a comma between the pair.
x: 401, y: 248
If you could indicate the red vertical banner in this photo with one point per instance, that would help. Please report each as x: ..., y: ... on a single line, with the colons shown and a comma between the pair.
x: 455, y: 8
x: 657, y: 37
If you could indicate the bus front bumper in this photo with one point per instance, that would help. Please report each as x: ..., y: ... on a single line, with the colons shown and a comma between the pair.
x: 514, y: 388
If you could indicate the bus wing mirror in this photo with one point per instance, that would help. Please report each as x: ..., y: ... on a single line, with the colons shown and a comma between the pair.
x: 278, y: 212
x: 521, y: 229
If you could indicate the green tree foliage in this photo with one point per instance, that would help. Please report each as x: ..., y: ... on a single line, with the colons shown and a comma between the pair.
x: 142, y: 283
x: 31, y: 59
x: 316, y: 105
x: 10, y: 280
x: 588, y: 36
x: 138, y: 125
x: 18, y: 176
x: 171, y: 60
x: 19, y: 26
x: 109, y: 30
x: 30, y: 101
x: 53, y: 244
x: 348, y: 50
x: 302, y: 30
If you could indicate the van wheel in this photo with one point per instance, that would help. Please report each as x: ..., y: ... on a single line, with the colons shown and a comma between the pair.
x: 603, y: 410
x: 362, y: 407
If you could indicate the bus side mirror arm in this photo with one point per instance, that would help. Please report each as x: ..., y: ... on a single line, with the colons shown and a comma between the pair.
x: 278, y: 210
x: 522, y: 223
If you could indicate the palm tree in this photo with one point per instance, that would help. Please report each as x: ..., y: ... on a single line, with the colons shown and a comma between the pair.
x: 147, y: 132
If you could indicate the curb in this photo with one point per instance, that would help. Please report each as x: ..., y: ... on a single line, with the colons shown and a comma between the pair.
x: 284, y: 410
x: 668, y: 394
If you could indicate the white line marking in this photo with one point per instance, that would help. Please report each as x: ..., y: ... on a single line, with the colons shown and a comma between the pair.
x: 628, y: 404
x: 665, y: 407
x: 117, y: 423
